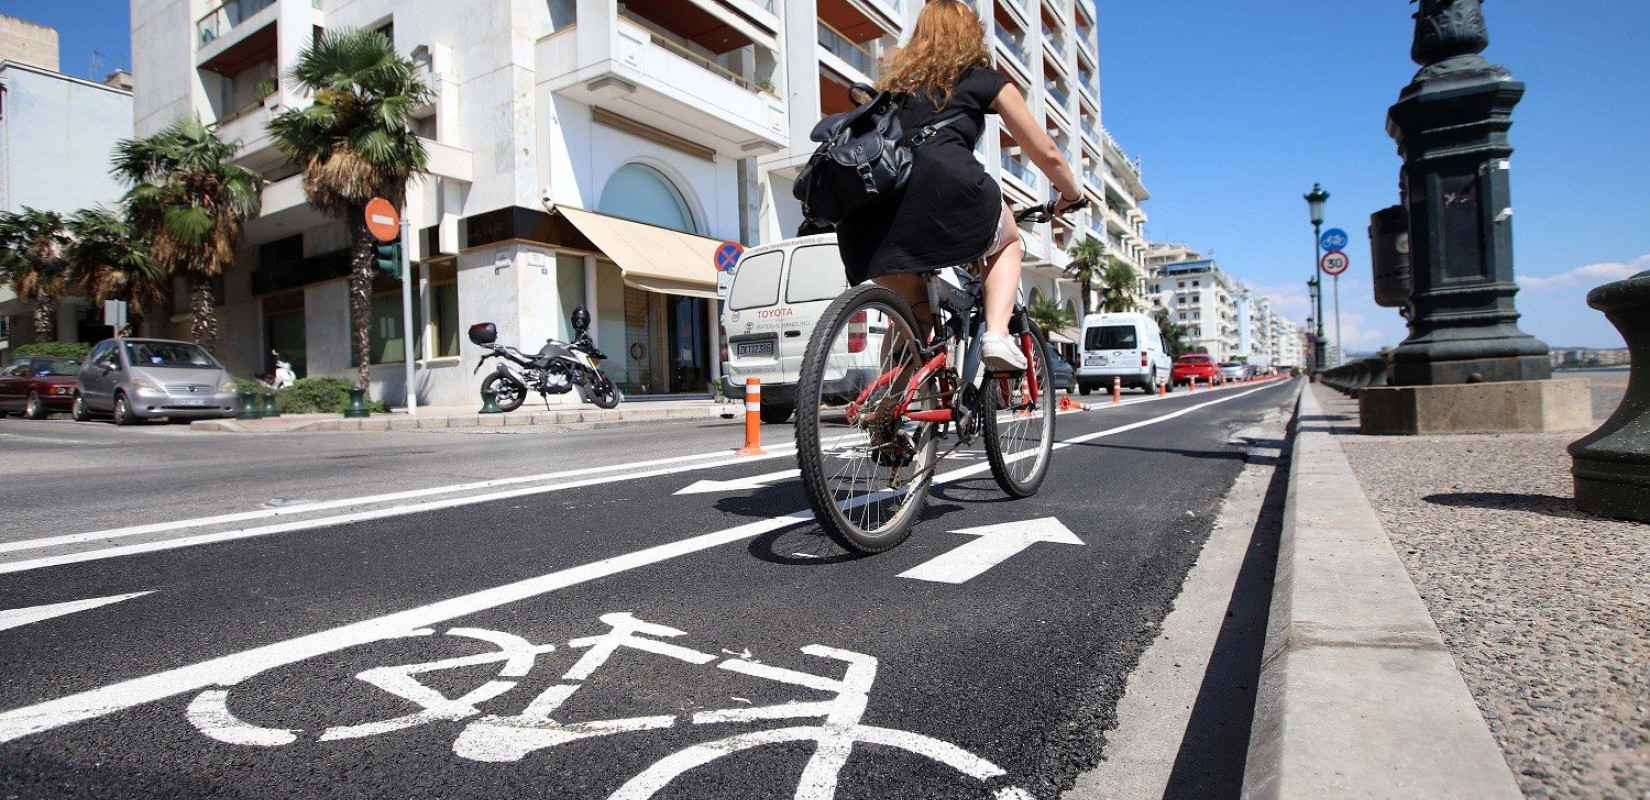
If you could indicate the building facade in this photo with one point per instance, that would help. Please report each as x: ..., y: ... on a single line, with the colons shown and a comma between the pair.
x: 56, y: 136
x: 582, y: 152
x: 1201, y: 298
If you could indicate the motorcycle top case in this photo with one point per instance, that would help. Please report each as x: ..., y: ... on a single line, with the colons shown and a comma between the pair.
x: 483, y: 333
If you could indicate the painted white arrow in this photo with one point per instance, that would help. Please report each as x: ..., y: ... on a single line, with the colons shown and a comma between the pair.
x: 996, y: 544
x: 740, y: 484
x: 19, y: 617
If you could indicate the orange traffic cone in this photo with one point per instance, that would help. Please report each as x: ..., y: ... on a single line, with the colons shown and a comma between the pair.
x: 753, y: 419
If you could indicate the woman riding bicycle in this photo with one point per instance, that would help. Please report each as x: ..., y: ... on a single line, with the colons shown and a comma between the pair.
x: 951, y: 211
x: 925, y: 352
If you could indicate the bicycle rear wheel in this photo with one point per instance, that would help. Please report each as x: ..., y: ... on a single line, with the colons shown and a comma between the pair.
x: 865, y: 464
x: 1019, y: 422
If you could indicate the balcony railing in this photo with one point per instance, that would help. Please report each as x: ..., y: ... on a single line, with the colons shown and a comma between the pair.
x: 1013, y: 46
x: 1057, y: 38
x: 1020, y: 171
x: 844, y: 48
x: 226, y: 16
x: 1060, y: 98
x: 1093, y: 132
x: 698, y: 58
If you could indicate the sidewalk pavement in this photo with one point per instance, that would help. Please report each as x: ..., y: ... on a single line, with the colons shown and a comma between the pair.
x: 1445, y: 624
x: 436, y: 417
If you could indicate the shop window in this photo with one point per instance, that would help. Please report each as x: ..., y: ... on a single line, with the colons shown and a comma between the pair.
x: 386, y: 335
x: 444, y: 307
x: 644, y: 194
x: 570, y: 291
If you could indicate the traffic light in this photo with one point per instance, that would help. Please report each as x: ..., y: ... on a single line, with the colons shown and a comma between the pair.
x: 387, y: 257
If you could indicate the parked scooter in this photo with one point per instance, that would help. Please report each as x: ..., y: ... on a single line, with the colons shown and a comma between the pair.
x: 284, y: 376
x: 557, y: 368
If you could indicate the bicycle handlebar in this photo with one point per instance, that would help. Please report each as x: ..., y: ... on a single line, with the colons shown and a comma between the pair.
x: 1045, y: 211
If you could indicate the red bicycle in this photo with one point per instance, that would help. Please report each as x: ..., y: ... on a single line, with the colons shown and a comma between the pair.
x: 877, y: 395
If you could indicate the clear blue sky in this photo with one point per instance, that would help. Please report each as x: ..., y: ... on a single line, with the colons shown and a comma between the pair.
x: 1238, y: 107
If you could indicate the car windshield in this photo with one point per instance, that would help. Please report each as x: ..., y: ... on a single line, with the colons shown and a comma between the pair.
x: 42, y: 367
x: 1230, y: 365
x: 1110, y: 337
x: 1194, y: 359
x: 169, y: 354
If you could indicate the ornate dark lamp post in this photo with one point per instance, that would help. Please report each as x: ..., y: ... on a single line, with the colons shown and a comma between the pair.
x: 1315, y: 201
x: 1451, y: 126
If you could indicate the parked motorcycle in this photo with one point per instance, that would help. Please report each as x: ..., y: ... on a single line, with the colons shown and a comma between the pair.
x: 558, y: 367
x: 284, y: 376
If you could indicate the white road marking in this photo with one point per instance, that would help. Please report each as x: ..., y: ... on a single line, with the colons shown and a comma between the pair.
x: 739, y: 484
x: 688, y: 462
x: 996, y: 544
x: 75, y: 442
x: 231, y: 669
x: 18, y: 617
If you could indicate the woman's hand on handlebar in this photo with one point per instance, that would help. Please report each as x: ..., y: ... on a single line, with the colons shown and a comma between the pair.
x: 1063, y: 206
x: 1047, y: 211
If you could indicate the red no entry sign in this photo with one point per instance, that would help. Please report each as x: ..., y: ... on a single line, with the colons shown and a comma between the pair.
x: 1335, y: 263
x: 382, y: 221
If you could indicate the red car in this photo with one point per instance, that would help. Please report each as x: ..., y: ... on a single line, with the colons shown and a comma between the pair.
x: 1195, y: 366
x: 35, y: 387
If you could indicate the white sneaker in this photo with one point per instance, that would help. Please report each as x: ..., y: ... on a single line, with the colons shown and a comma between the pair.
x: 1001, y: 353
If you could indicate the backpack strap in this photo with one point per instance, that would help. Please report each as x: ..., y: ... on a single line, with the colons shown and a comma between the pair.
x: 927, y: 131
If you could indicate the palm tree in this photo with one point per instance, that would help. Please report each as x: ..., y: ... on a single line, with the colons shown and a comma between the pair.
x: 1050, y: 316
x: 1088, y: 258
x: 1118, y: 281
x: 1174, y: 336
x: 109, y: 263
x: 355, y: 143
x: 32, y: 245
x: 187, y: 201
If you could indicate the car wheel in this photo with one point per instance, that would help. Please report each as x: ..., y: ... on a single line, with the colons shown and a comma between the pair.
x: 80, y: 413
x: 123, y: 411
x: 34, y: 409
x: 1085, y: 389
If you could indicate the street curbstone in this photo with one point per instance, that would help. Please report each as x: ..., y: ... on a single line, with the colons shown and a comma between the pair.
x: 404, y: 424
x: 463, y: 422
x: 1358, y: 695
x: 432, y: 423
x: 375, y: 424
x: 491, y: 421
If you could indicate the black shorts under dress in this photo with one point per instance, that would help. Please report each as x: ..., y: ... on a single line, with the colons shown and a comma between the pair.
x: 949, y: 211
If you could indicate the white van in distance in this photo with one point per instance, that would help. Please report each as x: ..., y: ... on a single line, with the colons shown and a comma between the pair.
x: 777, y: 295
x: 1125, y: 346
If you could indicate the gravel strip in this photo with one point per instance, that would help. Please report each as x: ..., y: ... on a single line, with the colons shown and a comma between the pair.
x: 1544, y: 608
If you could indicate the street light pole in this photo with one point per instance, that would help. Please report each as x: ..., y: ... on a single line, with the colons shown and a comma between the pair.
x: 1314, y: 204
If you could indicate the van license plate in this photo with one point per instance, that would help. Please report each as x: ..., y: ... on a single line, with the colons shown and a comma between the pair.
x: 1094, y: 361
x: 754, y: 350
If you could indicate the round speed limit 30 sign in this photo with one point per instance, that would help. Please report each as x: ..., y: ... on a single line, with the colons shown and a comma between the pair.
x: 1335, y: 263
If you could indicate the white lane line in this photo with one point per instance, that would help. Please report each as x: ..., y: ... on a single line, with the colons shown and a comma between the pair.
x: 27, y: 438
x: 18, y: 617
x: 228, y: 670
x: 718, y: 458
x: 683, y: 464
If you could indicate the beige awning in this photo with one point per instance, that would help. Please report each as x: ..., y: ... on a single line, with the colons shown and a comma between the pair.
x: 652, y: 258
x: 1064, y: 336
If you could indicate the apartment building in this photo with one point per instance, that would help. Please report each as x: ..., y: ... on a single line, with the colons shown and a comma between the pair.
x: 1203, y: 299
x: 582, y: 152
x: 1048, y: 48
x: 56, y: 135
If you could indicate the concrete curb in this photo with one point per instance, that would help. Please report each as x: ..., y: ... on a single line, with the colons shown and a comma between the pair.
x: 1358, y: 695
x: 402, y: 422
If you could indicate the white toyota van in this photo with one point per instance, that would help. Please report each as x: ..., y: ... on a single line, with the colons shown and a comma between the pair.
x: 777, y: 295
x: 1126, y: 346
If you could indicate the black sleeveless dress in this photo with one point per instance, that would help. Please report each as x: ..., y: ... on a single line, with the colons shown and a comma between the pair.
x: 949, y: 210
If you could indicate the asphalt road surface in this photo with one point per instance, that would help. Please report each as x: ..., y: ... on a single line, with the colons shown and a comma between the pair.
x: 555, y: 618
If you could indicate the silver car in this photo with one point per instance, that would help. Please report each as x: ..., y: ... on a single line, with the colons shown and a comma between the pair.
x: 138, y: 379
x: 1234, y: 371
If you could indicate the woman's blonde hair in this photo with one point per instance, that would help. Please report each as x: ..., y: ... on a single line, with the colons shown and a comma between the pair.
x: 948, y: 39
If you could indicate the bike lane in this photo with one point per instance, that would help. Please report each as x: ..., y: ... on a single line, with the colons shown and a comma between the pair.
x: 1003, y: 665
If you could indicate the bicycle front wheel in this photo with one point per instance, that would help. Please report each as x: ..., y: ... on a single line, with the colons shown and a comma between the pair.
x: 866, y: 466
x: 1019, y: 420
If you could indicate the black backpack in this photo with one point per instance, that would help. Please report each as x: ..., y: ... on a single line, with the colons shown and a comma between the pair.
x: 862, y: 157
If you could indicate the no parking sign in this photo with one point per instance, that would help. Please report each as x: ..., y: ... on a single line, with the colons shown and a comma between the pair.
x: 727, y: 256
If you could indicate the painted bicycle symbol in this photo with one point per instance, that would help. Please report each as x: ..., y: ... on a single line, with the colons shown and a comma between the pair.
x: 496, y: 738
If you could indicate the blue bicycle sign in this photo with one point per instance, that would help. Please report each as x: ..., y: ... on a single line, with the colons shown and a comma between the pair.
x: 1334, y: 240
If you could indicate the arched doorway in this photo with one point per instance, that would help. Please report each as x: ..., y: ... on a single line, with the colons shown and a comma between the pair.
x: 668, y: 342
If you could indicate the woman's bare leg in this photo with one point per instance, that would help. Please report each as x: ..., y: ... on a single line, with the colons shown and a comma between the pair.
x: 913, y: 289
x: 1002, y: 279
